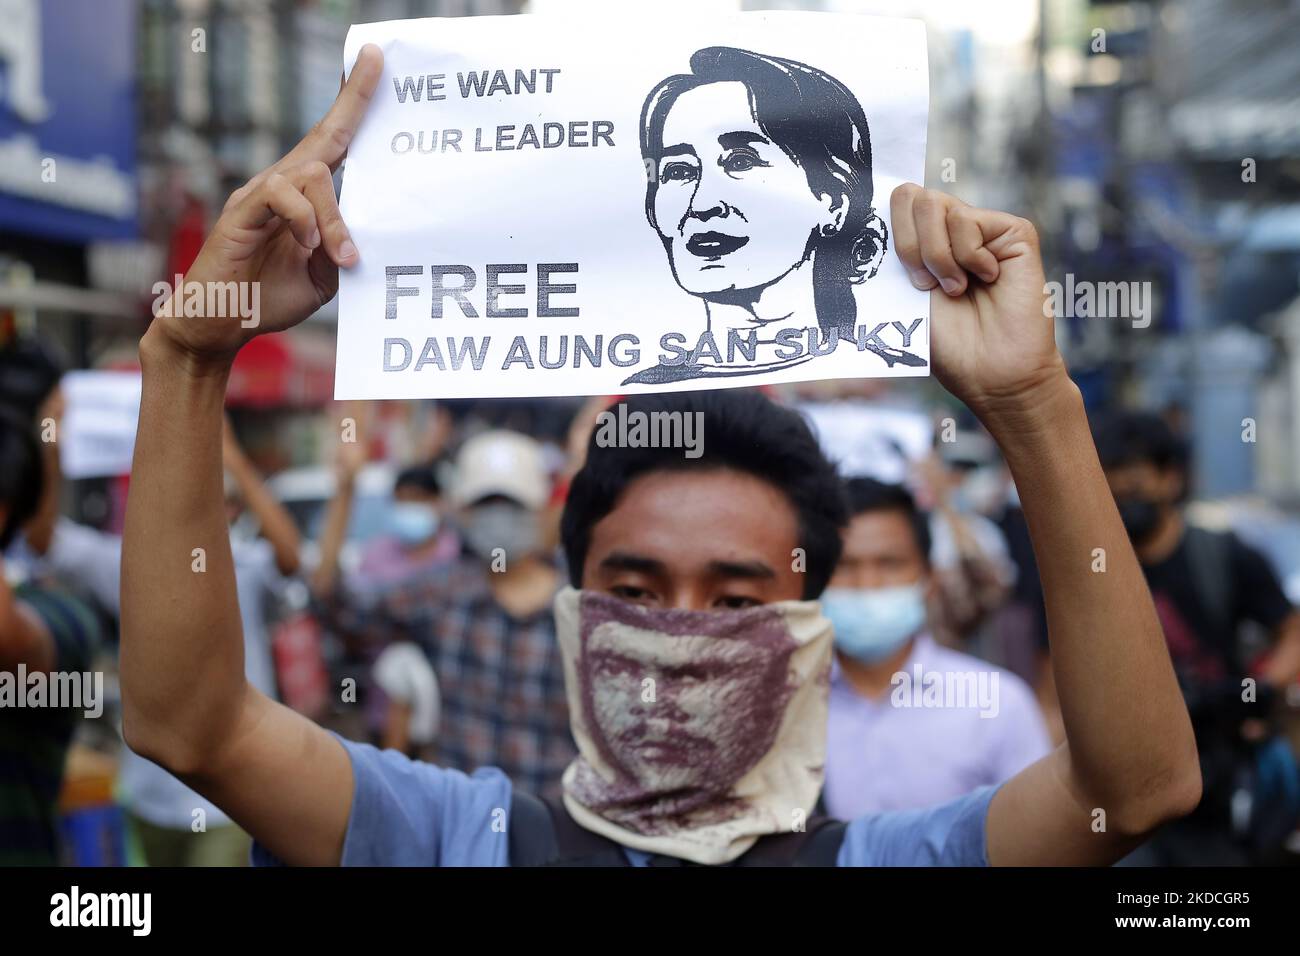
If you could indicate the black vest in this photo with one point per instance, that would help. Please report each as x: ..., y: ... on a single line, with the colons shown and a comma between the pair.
x: 543, y: 834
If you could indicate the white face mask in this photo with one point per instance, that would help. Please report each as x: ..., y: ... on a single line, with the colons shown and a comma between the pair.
x: 512, y: 528
x: 697, y: 731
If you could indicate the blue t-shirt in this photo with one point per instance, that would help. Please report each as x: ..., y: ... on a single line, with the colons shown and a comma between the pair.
x: 410, y: 813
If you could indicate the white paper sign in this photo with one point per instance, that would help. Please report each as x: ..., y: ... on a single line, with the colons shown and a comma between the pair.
x: 97, y: 435
x: 554, y: 207
x: 864, y: 438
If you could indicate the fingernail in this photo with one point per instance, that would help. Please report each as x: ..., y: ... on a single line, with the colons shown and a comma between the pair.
x: 922, y: 280
x: 989, y: 276
x: 951, y: 286
x: 346, y: 249
x: 314, y: 239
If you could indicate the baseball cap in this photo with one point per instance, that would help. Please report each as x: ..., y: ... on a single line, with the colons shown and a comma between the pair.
x: 500, y: 462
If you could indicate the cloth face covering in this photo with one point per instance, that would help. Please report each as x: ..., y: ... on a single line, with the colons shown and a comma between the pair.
x: 697, y: 731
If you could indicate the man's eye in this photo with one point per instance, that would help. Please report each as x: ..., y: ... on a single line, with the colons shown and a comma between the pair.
x: 736, y: 602
x: 632, y: 593
x: 677, y: 172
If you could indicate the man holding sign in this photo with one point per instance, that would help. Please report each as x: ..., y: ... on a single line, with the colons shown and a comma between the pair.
x: 695, y: 653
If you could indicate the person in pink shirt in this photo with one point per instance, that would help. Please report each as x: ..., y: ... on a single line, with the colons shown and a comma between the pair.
x: 417, y: 538
x: 911, y: 723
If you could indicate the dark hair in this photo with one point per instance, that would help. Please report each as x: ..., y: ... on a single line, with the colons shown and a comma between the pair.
x: 21, y: 479
x: 820, y: 125
x: 866, y: 495
x: 421, y: 477
x: 1130, y: 438
x: 29, y: 372
x: 746, y: 432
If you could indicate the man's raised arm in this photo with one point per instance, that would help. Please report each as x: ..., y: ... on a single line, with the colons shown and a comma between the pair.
x: 186, y: 703
x: 1129, y: 761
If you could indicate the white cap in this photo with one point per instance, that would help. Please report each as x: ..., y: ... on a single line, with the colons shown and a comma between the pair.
x: 501, y: 463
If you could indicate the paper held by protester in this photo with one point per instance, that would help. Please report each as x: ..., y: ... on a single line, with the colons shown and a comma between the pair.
x: 868, y: 439
x: 545, y: 207
x: 98, y: 428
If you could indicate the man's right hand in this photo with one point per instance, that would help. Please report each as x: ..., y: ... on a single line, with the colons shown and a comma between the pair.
x: 282, y: 230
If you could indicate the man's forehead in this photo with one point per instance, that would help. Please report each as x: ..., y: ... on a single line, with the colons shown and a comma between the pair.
x: 692, y: 520
x: 878, y: 532
x: 709, y: 111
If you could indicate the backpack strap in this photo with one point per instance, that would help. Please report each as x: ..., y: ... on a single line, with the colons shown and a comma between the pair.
x: 543, y: 834
x: 532, y: 834
x: 1209, y: 555
x: 578, y: 846
x: 817, y: 845
x: 823, y: 847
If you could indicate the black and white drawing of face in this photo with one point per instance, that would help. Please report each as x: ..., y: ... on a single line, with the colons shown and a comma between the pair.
x: 716, y: 709
x: 734, y: 210
x: 759, y: 167
x: 759, y: 185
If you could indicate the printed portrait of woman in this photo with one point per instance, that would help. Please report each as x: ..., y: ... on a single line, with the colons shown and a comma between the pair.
x: 759, y: 186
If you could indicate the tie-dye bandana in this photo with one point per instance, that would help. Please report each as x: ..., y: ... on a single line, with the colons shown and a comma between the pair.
x: 697, y: 731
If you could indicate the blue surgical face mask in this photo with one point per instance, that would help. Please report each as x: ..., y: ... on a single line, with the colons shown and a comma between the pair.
x: 871, y: 624
x: 412, y: 522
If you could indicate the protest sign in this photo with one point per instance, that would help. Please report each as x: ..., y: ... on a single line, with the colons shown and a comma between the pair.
x: 551, y: 207
x: 871, y: 440
x: 97, y: 435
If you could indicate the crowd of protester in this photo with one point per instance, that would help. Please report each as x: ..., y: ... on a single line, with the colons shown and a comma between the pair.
x: 440, y: 641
